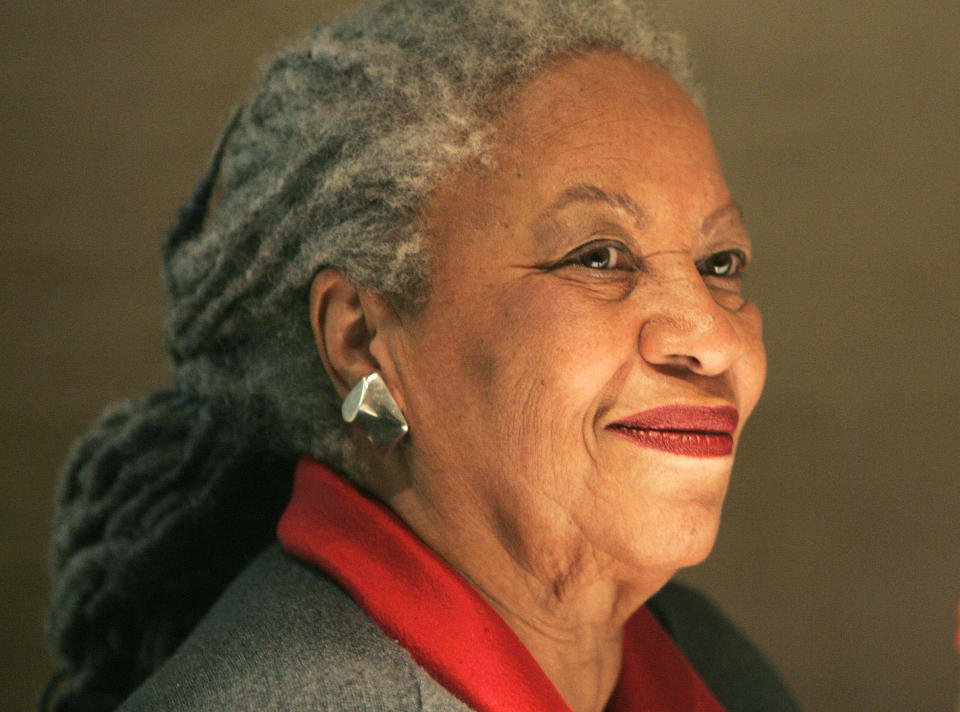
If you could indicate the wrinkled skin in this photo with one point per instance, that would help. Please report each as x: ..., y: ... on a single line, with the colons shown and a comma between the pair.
x: 591, y: 273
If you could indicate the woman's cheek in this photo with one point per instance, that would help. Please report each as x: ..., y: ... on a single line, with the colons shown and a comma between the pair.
x: 750, y: 371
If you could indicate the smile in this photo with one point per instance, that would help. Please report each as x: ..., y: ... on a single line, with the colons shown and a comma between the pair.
x: 693, y: 431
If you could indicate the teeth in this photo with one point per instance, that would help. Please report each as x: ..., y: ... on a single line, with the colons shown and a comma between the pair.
x: 675, y: 432
x: 694, y: 443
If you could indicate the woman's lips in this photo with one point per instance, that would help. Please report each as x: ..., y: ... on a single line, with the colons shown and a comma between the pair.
x: 694, y: 431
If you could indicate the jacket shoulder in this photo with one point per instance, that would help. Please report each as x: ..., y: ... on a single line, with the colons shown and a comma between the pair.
x: 731, y: 665
x: 284, y: 636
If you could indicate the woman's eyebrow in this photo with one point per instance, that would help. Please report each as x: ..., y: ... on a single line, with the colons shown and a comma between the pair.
x: 586, y: 193
x: 710, y: 222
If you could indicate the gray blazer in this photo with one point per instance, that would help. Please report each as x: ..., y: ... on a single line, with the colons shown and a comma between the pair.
x: 285, y: 637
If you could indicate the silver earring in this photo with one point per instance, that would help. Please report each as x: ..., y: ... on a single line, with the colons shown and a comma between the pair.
x: 370, y: 406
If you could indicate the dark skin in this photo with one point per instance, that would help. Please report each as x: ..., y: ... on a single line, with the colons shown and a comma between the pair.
x: 591, y: 273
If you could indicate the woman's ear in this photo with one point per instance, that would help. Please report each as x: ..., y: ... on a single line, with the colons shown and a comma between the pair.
x: 340, y: 329
x: 345, y: 322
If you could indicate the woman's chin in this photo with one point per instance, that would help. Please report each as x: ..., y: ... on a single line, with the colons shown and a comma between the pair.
x: 698, y: 547
x: 656, y: 538
x: 690, y: 544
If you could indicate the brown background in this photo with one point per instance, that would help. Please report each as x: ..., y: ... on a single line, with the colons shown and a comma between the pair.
x: 837, y: 122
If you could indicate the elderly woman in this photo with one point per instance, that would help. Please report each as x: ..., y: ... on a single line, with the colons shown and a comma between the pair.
x: 474, y: 265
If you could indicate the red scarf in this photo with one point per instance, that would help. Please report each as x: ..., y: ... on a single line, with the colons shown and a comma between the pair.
x: 445, y: 625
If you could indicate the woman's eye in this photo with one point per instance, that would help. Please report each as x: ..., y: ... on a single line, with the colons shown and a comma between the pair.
x: 728, y: 263
x: 602, y: 257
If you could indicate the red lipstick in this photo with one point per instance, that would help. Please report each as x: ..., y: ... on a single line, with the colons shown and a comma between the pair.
x: 691, y: 430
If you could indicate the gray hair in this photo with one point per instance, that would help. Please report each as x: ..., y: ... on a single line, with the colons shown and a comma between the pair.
x: 325, y: 166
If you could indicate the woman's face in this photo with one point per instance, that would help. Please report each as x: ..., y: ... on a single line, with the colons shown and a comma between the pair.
x: 587, y: 276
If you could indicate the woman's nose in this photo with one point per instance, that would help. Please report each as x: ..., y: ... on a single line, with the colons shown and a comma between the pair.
x: 689, y: 330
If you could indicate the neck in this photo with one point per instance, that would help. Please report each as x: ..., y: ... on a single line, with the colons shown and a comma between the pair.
x: 581, y: 656
x: 566, y: 601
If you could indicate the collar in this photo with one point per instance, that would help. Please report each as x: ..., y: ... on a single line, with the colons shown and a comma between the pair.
x: 445, y: 625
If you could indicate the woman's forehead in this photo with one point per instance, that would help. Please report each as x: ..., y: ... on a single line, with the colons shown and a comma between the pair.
x: 597, y: 129
x: 559, y: 95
